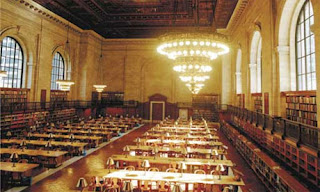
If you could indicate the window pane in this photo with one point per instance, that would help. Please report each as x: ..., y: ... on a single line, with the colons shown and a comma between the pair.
x: 314, y: 82
x: 57, y: 72
x: 299, y: 66
x: 308, y: 64
x: 12, y: 62
x: 313, y: 62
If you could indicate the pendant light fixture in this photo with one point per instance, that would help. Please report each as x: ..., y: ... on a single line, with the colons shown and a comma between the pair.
x: 100, y: 87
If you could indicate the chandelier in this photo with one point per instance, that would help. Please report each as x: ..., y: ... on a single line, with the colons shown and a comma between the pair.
x: 99, y: 88
x: 192, y: 54
x: 64, y: 85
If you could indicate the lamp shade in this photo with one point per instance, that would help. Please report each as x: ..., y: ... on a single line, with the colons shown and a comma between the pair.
x: 48, y: 144
x: 110, y: 162
x: 71, y: 136
x: 126, y: 148
x: 82, y: 183
x: 23, y: 143
x: 51, y: 135
x: 210, y: 136
x: 146, y: 133
x: 157, y: 125
x: 188, y: 135
x: 64, y: 85
x: 69, y: 130
x: 183, y: 166
x: 9, y: 134
x: 99, y: 88
x: 145, y: 163
x: 220, y: 168
x: 138, y: 140
x: 214, y: 152
x: 167, y: 134
x: 89, y: 131
x: 14, y: 156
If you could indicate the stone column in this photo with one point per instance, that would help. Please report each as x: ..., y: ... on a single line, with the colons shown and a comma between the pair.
x: 226, y: 81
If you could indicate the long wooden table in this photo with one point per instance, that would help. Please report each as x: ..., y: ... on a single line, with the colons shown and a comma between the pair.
x: 96, y: 139
x: 185, y: 178
x: 79, y: 146
x: 190, y: 151
x: 182, y: 128
x: 55, y: 157
x: 105, y: 134
x: 177, y: 142
x: 184, y: 137
x: 165, y: 162
x: 19, y: 167
x: 181, y: 132
x: 115, y: 130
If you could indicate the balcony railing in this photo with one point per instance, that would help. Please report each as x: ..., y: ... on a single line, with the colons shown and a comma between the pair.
x: 301, y: 133
x: 47, y: 106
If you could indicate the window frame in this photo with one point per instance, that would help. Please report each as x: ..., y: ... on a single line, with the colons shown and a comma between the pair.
x: 302, y: 85
x: 56, y: 69
x: 20, y: 63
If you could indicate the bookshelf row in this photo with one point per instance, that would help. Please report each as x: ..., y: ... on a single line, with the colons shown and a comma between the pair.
x: 257, y: 103
x: 304, y: 160
x: 301, y: 99
x: 302, y: 114
x: 9, y: 96
x: 301, y: 107
x: 304, y: 163
x: 17, y: 122
x: 274, y: 177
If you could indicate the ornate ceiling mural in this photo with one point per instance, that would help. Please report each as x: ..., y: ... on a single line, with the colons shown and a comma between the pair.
x: 142, y: 18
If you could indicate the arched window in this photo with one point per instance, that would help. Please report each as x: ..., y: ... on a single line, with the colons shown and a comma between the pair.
x: 12, y: 63
x: 58, y: 70
x: 238, y: 73
x: 305, y: 49
x: 256, y: 63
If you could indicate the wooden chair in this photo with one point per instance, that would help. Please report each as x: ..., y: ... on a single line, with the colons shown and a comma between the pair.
x: 130, y: 168
x: 155, y: 169
x: 196, y: 186
x: 23, y: 161
x: 162, y: 187
x: 145, y: 186
x: 172, y: 170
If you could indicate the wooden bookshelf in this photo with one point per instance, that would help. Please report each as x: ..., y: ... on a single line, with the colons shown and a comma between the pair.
x: 301, y: 106
x: 13, y: 98
x: 62, y: 115
x: 257, y: 99
x: 206, y: 99
x: 241, y: 100
x: 112, y: 97
x: 58, y: 96
x: 274, y: 176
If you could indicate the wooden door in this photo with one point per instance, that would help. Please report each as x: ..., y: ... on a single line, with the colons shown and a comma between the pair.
x: 157, y: 111
x: 43, y: 98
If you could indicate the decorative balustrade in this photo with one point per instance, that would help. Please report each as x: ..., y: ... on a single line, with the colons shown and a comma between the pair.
x: 301, y: 133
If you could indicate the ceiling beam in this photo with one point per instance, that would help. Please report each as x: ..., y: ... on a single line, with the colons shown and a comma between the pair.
x: 88, y: 9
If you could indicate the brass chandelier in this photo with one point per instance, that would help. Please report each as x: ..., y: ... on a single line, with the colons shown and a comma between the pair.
x: 192, y: 54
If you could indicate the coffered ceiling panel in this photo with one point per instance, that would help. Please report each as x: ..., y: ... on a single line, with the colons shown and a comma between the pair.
x: 142, y: 18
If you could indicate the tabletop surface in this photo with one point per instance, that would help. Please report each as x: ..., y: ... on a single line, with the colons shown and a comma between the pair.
x: 174, y: 177
x: 39, y: 142
x: 19, y: 167
x: 33, y: 152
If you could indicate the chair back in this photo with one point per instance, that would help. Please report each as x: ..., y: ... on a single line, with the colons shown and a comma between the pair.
x: 172, y: 170
x: 153, y: 169
x: 199, y: 171
x: 130, y: 168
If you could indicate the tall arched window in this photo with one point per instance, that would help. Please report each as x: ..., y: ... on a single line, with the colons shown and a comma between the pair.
x: 12, y: 63
x: 305, y: 49
x: 238, y: 73
x: 256, y: 63
x: 58, y: 70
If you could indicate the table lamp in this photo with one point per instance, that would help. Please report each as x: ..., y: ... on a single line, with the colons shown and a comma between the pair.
x: 29, y: 135
x: 69, y: 130
x: 127, y: 150
x: 214, y: 154
x: 147, y: 134
x: 210, y: 136
x: 145, y: 164
x: 71, y: 137
x: 208, y: 131
x: 184, y: 153
x: 110, y: 163
x: 89, y: 131
x: 167, y: 134
x: 182, y: 166
x: 82, y: 183
x: 138, y: 141
x: 51, y: 136
x: 9, y: 134
x: 157, y: 125
x: 155, y: 151
x: 220, y: 168
x: 22, y: 144
x: 14, y: 157
x: 48, y: 146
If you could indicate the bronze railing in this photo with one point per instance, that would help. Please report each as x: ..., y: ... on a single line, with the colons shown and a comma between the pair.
x: 300, y: 132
